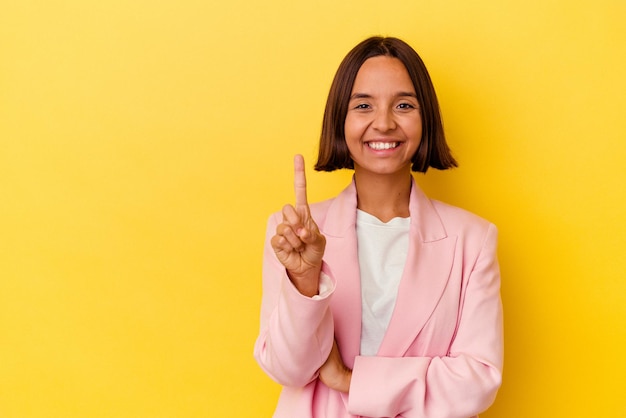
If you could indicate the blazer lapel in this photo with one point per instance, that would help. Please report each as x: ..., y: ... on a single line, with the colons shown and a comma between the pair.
x: 339, y: 227
x: 426, y: 272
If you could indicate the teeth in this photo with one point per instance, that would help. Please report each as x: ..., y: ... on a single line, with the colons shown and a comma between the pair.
x: 382, y: 145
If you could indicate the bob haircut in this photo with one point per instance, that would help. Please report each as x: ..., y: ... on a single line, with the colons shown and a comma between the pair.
x: 433, y: 150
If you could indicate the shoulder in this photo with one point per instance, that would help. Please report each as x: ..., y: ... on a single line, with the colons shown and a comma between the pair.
x: 319, y: 210
x: 461, y: 222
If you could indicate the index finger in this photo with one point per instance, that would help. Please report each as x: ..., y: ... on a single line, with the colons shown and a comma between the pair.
x: 300, y: 181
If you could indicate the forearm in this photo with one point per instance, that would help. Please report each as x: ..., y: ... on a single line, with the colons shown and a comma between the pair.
x: 422, y: 386
x: 296, y: 331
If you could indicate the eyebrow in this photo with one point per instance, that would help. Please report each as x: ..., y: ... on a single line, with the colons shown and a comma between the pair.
x: 369, y: 96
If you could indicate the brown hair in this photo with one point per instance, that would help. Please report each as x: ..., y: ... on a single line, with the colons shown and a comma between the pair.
x: 433, y: 150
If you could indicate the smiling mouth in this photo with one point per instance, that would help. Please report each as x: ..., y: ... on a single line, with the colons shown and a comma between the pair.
x: 378, y: 146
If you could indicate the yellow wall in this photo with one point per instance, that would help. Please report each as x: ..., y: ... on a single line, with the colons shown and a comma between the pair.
x: 144, y: 143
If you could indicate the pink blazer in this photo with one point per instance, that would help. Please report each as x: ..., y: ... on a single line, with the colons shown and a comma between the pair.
x: 442, y: 353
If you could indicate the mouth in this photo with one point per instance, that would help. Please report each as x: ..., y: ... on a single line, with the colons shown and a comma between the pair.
x: 381, y: 146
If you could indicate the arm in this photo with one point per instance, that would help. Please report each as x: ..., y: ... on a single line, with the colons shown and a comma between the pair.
x: 296, y: 332
x: 296, y: 323
x: 461, y: 384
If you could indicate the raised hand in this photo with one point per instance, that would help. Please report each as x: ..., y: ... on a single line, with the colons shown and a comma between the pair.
x: 298, y: 243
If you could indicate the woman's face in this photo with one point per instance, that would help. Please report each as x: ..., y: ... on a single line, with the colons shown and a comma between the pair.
x: 383, y: 126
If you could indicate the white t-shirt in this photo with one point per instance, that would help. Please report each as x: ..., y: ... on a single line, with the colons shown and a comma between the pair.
x: 382, y: 251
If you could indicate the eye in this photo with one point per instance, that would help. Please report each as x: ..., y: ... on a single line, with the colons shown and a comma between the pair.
x: 406, y: 106
x: 362, y: 106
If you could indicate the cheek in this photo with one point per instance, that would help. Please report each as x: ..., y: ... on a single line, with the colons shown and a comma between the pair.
x: 414, y: 131
x: 352, y: 130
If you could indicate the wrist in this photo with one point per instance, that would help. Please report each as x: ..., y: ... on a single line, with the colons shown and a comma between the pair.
x: 307, y: 285
x: 340, y: 381
x: 345, y: 381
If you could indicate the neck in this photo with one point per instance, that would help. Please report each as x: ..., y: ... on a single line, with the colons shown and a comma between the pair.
x: 383, y: 196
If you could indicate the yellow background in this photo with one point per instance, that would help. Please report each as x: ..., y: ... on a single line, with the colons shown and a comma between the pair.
x: 144, y: 144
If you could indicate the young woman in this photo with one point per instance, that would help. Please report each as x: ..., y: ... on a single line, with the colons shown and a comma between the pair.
x: 381, y: 302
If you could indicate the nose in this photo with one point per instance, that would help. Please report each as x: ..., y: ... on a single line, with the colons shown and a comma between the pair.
x: 384, y: 120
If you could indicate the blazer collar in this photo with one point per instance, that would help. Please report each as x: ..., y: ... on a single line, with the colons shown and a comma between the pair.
x: 341, y: 216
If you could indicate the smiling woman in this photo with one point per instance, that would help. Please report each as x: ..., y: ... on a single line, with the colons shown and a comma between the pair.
x: 381, y: 302
x: 433, y: 150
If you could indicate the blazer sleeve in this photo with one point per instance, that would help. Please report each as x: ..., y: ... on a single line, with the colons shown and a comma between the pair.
x: 296, y: 332
x: 461, y: 384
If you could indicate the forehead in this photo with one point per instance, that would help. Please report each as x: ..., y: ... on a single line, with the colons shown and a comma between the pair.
x: 383, y: 72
